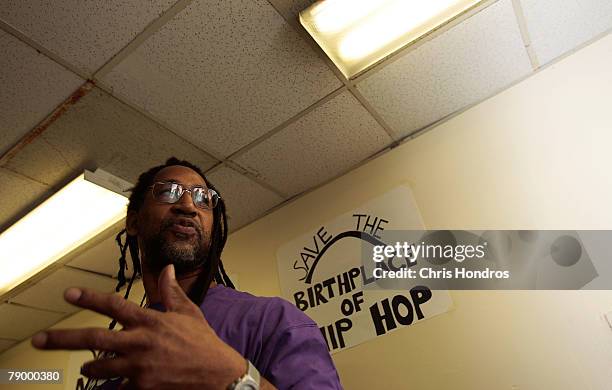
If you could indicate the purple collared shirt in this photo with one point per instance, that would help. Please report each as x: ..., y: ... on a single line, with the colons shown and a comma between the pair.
x: 282, y: 342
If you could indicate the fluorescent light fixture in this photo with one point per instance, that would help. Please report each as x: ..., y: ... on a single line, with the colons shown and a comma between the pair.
x: 358, y: 33
x: 88, y: 205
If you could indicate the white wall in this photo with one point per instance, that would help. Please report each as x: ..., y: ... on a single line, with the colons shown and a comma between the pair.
x: 536, y: 156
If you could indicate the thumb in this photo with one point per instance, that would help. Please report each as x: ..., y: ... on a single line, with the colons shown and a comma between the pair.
x: 172, y: 295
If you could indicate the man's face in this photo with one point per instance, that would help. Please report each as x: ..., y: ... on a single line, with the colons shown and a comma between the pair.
x: 176, y: 233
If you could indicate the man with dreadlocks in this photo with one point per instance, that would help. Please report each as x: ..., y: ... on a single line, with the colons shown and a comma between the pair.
x: 196, y: 332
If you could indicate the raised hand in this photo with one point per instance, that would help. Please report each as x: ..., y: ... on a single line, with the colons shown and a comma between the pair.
x: 176, y: 349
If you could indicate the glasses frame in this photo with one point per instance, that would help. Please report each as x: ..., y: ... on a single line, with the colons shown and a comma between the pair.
x: 182, y: 189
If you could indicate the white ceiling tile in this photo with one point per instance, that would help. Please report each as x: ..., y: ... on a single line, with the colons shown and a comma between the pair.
x: 18, y: 322
x: 245, y: 200
x: 48, y: 294
x: 100, y: 131
x: 86, y: 33
x: 324, y: 143
x: 103, y: 258
x: 6, y: 344
x: 557, y: 26
x: 222, y: 74
x: 32, y: 87
x: 17, y: 196
x: 460, y: 67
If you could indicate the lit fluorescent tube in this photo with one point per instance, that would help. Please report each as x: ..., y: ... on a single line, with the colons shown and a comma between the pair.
x: 78, y: 212
x: 358, y: 33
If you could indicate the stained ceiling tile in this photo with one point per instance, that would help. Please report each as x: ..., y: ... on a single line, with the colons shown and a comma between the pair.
x: 48, y: 294
x: 18, y: 322
x: 103, y: 258
x: 32, y: 87
x: 6, y: 344
x: 100, y: 131
x: 17, y: 196
x: 223, y: 73
x: 324, y: 143
x: 245, y: 200
x: 460, y: 67
x: 84, y: 33
x: 557, y: 26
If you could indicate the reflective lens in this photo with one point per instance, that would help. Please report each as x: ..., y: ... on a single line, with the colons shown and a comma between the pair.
x: 199, y: 196
x: 204, y: 198
x: 167, y: 192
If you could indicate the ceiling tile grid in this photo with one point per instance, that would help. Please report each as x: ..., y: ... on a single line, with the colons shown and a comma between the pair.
x: 17, y: 196
x: 99, y: 131
x: 32, y: 87
x: 558, y: 26
x: 327, y: 141
x: 48, y: 294
x: 86, y: 33
x: 245, y: 200
x: 462, y: 66
x: 222, y: 74
x: 19, y: 322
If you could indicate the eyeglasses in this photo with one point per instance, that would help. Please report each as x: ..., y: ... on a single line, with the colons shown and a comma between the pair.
x: 204, y: 198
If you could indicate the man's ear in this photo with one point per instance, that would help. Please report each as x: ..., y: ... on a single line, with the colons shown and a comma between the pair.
x: 131, y: 223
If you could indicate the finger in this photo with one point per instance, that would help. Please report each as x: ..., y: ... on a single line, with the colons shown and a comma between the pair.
x: 172, y: 294
x: 124, y: 311
x: 88, y: 338
x: 107, y: 368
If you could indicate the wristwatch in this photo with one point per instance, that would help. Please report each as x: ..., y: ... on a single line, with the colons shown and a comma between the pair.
x: 249, y: 381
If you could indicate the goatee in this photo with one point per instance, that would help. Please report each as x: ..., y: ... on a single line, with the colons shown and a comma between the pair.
x: 187, y: 255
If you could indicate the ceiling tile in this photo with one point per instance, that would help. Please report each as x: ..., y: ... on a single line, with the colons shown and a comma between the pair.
x: 324, y: 143
x: 48, y: 294
x: 557, y: 26
x: 137, y: 293
x: 6, y: 344
x: 245, y: 200
x: 291, y: 8
x: 103, y: 258
x: 18, y: 322
x: 17, y: 196
x: 460, y: 67
x: 223, y: 73
x: 85, y: 33
x: 32, y: 87
x: 100, y: 131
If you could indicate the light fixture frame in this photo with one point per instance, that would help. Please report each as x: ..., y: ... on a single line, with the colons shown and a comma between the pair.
x: 349, y: 72
x: 101, y: 179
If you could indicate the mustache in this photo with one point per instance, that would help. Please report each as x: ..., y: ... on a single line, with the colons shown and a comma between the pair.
x: 168, y: 222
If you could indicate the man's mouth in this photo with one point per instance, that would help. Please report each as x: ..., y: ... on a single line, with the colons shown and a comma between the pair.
x: 183, y: 229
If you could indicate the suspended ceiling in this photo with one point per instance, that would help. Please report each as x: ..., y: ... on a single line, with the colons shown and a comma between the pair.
x: 238, y: 88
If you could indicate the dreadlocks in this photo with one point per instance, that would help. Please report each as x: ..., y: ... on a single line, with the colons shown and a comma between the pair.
x: 213, y: 267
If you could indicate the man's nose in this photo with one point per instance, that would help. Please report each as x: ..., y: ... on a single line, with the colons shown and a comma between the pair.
x: 185, y: 205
